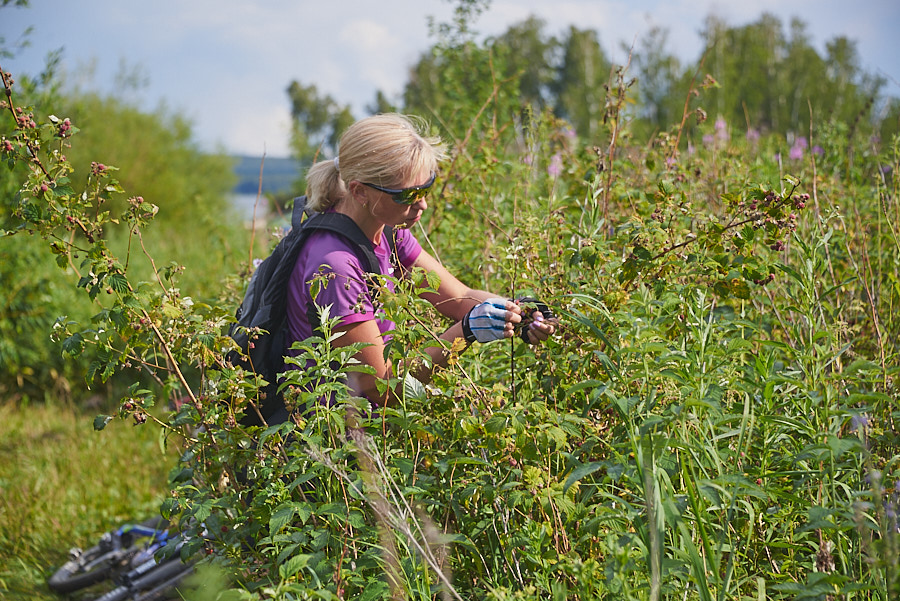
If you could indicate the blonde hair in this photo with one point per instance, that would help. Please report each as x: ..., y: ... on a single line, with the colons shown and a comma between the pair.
x: 385, y: 150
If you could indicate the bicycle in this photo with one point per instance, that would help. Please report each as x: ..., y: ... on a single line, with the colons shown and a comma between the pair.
x: 128, y: 557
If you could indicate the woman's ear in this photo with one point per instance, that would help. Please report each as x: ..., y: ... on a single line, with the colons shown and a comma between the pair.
x: 357, y: 192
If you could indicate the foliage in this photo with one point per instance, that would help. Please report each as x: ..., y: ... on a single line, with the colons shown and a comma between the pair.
x: 767, y: 81
x: 157, y: 154
x: 716, y: 420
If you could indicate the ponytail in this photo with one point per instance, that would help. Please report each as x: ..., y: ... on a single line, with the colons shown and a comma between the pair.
x: 324, y: 186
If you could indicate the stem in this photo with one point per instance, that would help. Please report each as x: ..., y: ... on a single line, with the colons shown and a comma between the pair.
x: 10, y: 105
x: 687, y: 103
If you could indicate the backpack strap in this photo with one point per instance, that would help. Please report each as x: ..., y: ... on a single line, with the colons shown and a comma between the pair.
x: 299, y: 213
x: 346, y: 227
x: 340, y: 224
x: 304, y: 224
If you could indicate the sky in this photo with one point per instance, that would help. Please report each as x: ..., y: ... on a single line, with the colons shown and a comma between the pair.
x: 225, y: 65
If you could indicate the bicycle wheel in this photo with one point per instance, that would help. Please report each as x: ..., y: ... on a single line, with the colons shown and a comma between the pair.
x: 98, y: 562
x: 87, y: 568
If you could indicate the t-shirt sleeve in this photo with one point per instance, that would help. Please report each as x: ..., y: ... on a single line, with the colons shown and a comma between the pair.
x: 344, y: 288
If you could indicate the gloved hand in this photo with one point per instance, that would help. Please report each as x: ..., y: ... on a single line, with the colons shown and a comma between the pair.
x: 531, y: 306
x: 486, y: 321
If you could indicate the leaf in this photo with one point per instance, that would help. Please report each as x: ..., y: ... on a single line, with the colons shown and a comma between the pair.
x: 206, y: 340
x: 580, y: 472
x: 293, y: 565
x: 281, y: 517
x: 740, y: 289
x: 374, y: 590
x: 117, y: 282
x: 170, y: 310
x: 100, y: 421
x: 63, y: 190
x: 73, y: 345
x: 582, y: 385
x: 202, y: 510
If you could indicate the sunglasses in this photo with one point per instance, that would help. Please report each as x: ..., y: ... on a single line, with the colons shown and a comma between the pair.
x: 406, y: 196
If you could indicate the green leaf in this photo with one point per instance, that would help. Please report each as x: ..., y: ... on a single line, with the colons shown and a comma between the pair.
x: 374, y: 590
x: 117, y: 282
x: 202, y: 510
x: 73, y: 345
x: 580, y: 472
x: 281, y: 517
x: 100, y: 421
x: 293, y: 565
x: 792, y: 180
x: 582, y: 385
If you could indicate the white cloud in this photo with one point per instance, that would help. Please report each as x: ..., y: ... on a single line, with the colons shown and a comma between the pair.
x: 376, y: 55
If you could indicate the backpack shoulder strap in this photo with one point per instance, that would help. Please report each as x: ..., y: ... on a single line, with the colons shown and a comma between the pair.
x: 341, y: 224
x: 298, y: 212
x: 346, y: 227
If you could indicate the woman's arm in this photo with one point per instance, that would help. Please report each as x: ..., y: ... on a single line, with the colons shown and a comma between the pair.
x: 454, y: 300
x: 373, y: 355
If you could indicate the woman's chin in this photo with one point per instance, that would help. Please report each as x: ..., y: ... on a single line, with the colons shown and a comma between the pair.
x: 405, y: 225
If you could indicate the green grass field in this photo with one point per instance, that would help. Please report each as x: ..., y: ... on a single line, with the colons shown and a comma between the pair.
x: 62, y: 484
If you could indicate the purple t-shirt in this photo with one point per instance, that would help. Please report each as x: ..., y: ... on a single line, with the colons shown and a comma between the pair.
x: 329, y: 253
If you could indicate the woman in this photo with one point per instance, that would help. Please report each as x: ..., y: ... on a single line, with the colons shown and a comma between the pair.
x: 381, y: 178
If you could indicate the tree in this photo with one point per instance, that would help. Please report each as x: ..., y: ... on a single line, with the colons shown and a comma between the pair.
x: 317, y: 121
x: 381, y: 105
x: 745, y: 62
x: 528, y: 56
x: 658, y: 73
x: 580, y: 86
x: 770, y: 80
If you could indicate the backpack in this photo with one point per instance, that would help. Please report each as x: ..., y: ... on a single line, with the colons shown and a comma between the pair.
x: 265, y: 303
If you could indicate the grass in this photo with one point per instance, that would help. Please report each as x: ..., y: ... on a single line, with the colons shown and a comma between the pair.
x: 62, y: 484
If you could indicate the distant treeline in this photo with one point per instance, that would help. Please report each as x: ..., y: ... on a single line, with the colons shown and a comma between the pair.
x: 278, y: 175
x: 761, y: 78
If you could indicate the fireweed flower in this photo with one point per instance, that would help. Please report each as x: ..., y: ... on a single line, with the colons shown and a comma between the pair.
x: 721, y: 129
x: 752, y: 135
x: 873, y: 477
x: 818, y: 150
x: 796, y: 152
x: 709, y: 140
x: 555, y: 166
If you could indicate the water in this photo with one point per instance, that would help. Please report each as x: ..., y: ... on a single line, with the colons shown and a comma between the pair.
x: 245, y: 203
